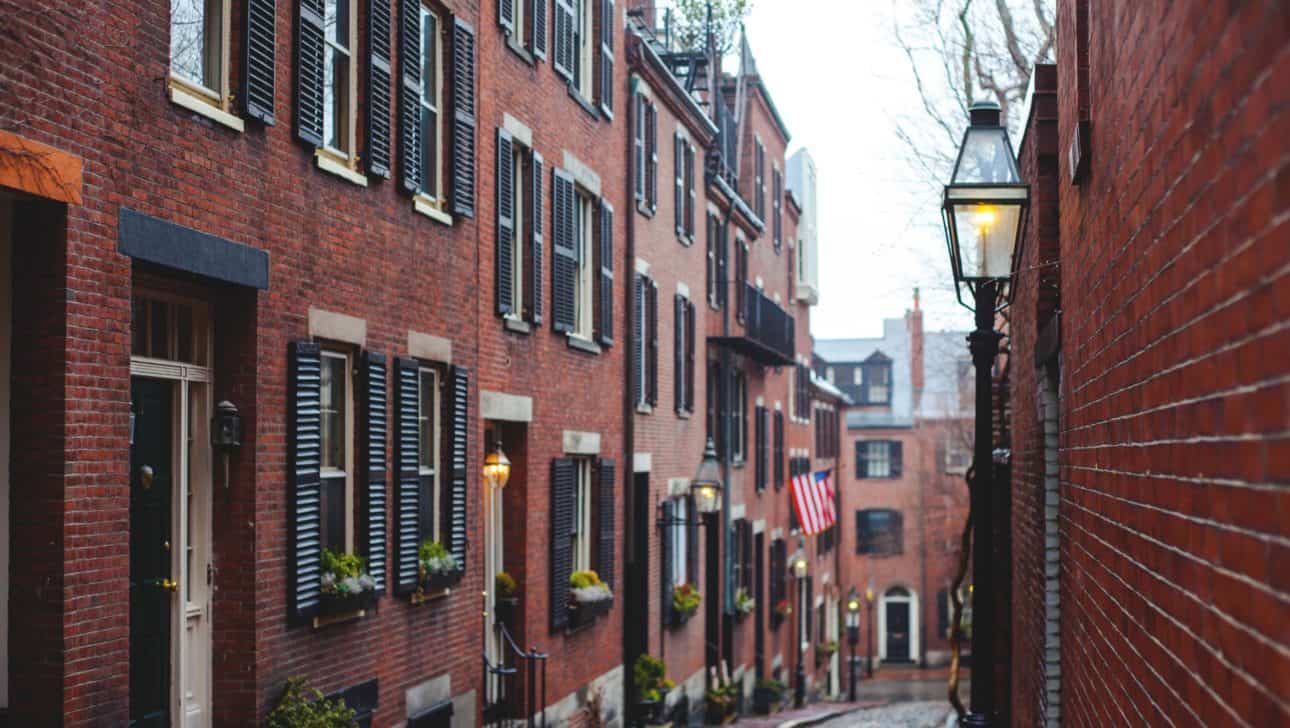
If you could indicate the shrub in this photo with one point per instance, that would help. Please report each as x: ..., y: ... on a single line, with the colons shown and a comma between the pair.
x: 505, y: 586
x: 305, y: 707
x: 685, y: 598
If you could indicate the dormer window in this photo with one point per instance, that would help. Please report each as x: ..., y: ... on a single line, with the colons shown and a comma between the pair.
x: 875, y: 376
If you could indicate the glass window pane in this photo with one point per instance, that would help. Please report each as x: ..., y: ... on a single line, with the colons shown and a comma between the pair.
x: 429, y: 57
x: 429, y: 151
x: 336, y: 22
x: 335, y: 99
x: 184, y: 331
x: 139, y: 327
x: 188, y: 40
x: 425, y: 421
x: 159, y: 332
x: 333, y: 514
x: 986, y: 158
x: 333, y: 412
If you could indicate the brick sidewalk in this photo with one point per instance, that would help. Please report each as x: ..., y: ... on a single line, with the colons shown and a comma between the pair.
x: 808, y: 715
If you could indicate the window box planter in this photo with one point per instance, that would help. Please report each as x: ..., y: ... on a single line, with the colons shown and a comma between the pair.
x: 507, y: 610
x: 438, y: 582
x: 582, y: 614
x: 336, y: 604
x: 678, y: 617
x: 765, y: 700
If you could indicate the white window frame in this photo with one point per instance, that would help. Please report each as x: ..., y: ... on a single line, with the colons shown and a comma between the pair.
x: 519, y: 176
x: 955, y: 446
x: 431, y: 191
x: 432, y: 420
x: 347, y: 155
x: 212, y: 101
x: 584, y: 29
x: 679, y: 535
x: 642, y: 346
x: 877, y: 451
x: 584, y: 282
x: 739, y: 390
x: 857, y: 376
x: 583, y: 555
x: 347, y: 426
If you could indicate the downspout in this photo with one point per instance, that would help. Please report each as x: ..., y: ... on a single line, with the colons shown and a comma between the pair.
x: 629, y: 414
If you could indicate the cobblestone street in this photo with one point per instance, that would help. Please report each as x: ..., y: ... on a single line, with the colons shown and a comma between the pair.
x: 924, y: 714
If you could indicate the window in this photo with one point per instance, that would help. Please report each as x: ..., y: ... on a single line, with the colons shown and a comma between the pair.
x: 714, y: 261
x: 760, y: 454
x: 683, y: 182
x: 519, y: 232
x: 683, y: 354
x: 431, y: 110
x: 741, y: 278
x: 679, y: 532
x: 828, y: 374
x: 645, y: 151
x: 876, y: 387
x: 428, y: 450
x: 857, y: 376
x: 777, y: 193
x: 879, y: 532
x: 741, y: 555
x: 800, y: 393
x: 584, y: 311
x: 759, y: 179
x: 645, y: 343
x: 336, y: 436
x: 583, y: 536
x: 878, y: 459
x: 739, y: 416
x: 516, y: 234
x: 826, y: 431
x: 198, y: 47
x: 716, y: 393
x: 958, y: 456
x: 582, y: 44
x: 339, y: 77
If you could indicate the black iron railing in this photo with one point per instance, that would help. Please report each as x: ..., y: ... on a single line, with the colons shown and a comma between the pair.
x: 769, y: 332
x: 515, y: 689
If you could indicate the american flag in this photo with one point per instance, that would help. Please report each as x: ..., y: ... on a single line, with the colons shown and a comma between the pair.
x: 813, y: 499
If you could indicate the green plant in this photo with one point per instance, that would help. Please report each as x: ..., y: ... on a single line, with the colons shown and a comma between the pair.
x: 827, y: 647
x: 692, y: 23
x: 775, y: 686
x: 344, y: 574
x: 505, y: 586
x: 584, y: 579
x: 648, y: 674
x: 685, y: 598
x: 744, y: 603
x: 342, y: 565
x: 304, y: 707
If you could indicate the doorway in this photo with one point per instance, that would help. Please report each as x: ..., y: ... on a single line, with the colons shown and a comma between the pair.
x: 898, y: 627
x: 171, y: 541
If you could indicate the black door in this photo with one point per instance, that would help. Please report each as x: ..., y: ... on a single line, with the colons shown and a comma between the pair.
x: 759, y: 600
x: 150, y: 543
x: 897, y: 631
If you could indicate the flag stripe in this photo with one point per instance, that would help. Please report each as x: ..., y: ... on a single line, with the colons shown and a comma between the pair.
x: 813, y: 497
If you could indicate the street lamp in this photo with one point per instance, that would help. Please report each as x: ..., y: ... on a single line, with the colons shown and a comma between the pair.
x: 868, y: 597
x: 853, y: 635
x: 985, y: 203
x: 799, y: 565
x: 706, y: 486
x: 497, y: 468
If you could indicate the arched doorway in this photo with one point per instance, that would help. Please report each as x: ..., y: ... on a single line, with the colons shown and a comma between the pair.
x: 898, y: 625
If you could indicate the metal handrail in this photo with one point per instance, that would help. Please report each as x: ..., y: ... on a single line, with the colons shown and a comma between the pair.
x: 500, y: 699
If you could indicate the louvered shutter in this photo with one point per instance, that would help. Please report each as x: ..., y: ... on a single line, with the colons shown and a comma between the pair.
x: 606, y: 68
x: 306, y: 481
x: 637, y: 353
x: 723, y: 264
x: 536, y: 238
x: 407, y: 516
x: 652, y: 333
x: 689, y: 356
x: 564, y: 258
x: 605, y: 538
x: 378, y: 88
x: 563, y: 487
x: 309, y: 72
x: 759, y: 467
x: 651, y: 140
x: 259, y: 55
x: 862, y: 463
x: 778, y: 191
x: 505, y: 223
x: 638, y: 147
x: 562, y: 60
x: 678, y: 352
x: 678, y: 182
x: 376, y: 419
x: 691, y: 542
x: 538, y: 8
x: 410, y: 94
x: 741, y: 280
x: 779, y: 450
x: 605, y: 287
x: 665, y: 559
x: 691, y: 199
x: 808, y: 608
x: 896, y: 453
x: 458, y: 420
x: 463, y: 119
x: 506, y: 16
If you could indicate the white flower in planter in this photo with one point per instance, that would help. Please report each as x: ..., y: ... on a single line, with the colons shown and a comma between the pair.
x: 592, y: 594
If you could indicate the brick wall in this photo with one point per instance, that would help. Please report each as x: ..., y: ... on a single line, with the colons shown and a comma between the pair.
x: 1172, y: 407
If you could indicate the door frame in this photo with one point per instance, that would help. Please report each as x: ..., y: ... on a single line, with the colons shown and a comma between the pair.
x: 190, y: 424
x: 911, y: 603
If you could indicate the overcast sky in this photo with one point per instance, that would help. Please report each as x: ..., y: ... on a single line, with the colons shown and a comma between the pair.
x: 841, y: 84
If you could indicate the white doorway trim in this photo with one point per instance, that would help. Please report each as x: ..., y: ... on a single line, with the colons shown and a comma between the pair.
x: 912, y: 601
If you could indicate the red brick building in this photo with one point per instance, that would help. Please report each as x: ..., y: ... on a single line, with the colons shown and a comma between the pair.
x: 1147, y: 382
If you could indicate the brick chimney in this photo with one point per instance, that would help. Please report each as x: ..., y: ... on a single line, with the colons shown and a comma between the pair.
x: 914, y: 323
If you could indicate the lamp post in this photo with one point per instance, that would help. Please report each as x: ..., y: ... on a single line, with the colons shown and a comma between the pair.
x: 706, y: 486
x: 799, y: 566
x: 868, y: 598
x: 853, y: 635
x: 984, y: 205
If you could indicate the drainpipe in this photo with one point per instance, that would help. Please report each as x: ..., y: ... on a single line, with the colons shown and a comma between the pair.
x: 629, y: 418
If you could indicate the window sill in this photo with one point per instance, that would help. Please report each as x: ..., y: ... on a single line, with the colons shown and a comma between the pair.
x: 330, y: 619
x: 519, y: 50
x: 686, y: 240
x: 644, y: 409
x: 331, y: 164
x: 738, y: 462
x: 180, y: 96
x: 644, y: 208
x: 586, y: 105
x: 583, y: 344
x: 432, y: 209
x: 683, y: 414
x: 516, y: 326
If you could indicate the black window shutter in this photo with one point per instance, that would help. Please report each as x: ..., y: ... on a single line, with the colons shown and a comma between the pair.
x: 410, y: 94
x: 606, y: 69
x: 761, y: 455
x: 678, y: 352
x: 651, y: 326
x: 505, y: 223
x: 862, y: 463
x: 563, y: 485
x: 898, y: 532
x: 378, y: 88
x: 259, y: 50
x: 895, y: 452
x: 538, y: 9
x: 651, y: 140
x: 375, y: 401
x: 943, y: 613
x: 691, y: 543
x: 690, y: 195
x: 605, y: 287
x: 638, y: 147
x: 407, y: 516
x: 723, y: 264
x: 678, y: 182
x: 605, y: 538
x: 309, y: 71
x: 637, y: 352
x: 535, y: 238
x: 506, y: 16
x: 306, y: 481
x: 665, y: 559
x: 463, y: 119
x: 741, y: 279
x: 562, y: 39
x: 564, y: 259
x: 689, y: 356
x: 779, y: 450
x: 457, y: 401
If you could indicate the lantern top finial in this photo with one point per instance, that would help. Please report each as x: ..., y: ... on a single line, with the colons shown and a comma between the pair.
x: 985, y: 113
